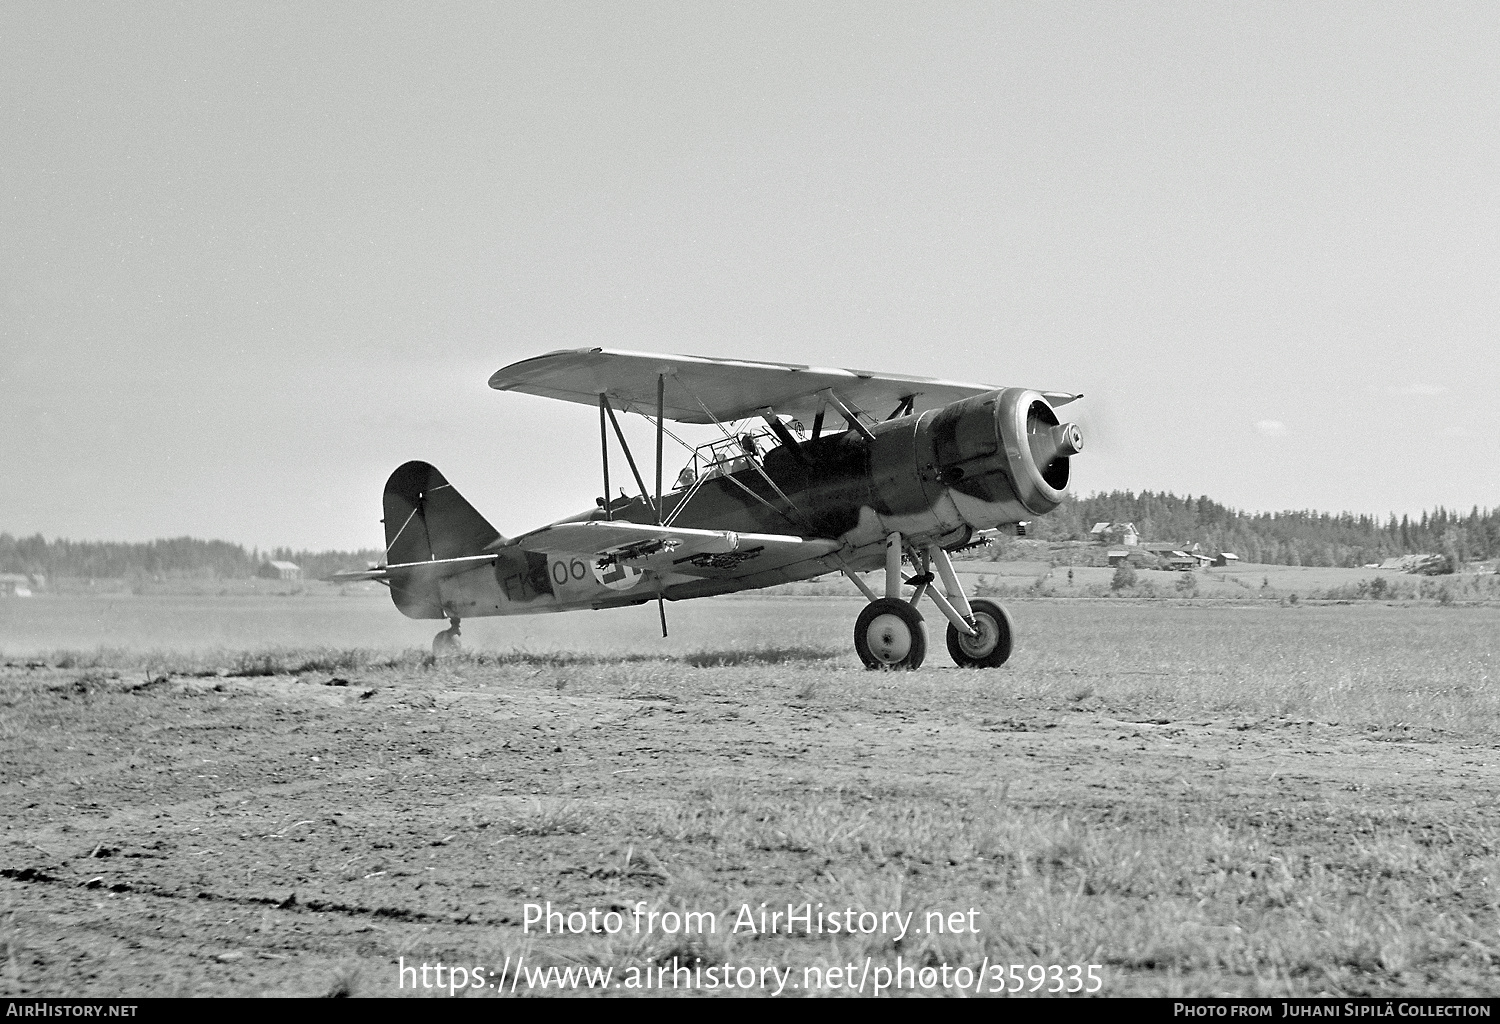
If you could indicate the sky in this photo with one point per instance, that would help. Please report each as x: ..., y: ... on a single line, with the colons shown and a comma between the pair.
x: 254, y: 256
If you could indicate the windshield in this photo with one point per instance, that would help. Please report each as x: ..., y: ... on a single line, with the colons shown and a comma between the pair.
x: 728, y: 455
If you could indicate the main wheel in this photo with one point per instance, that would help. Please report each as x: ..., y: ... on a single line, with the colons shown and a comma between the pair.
x: 990, y: 646
x: 890, y: 634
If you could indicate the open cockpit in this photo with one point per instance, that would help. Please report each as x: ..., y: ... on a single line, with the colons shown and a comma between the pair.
x: 726, y: 456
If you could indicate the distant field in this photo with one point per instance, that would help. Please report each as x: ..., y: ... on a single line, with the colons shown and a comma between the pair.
x: 321, y: 616
x: 1282, y: 579
x: 1219, y: 799
x: 1237, y: 583
x: 202, y: 615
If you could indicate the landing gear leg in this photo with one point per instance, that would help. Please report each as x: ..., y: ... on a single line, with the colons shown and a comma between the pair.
x: 446, y: 642
x: 979, y: 632
x: 890, y: 632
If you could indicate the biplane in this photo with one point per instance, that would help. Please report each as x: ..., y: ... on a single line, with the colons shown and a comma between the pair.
x: 816, y: 471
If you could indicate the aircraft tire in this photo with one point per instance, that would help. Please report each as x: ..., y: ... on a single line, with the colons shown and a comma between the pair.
x: 890, y: 634
x: 992, y: 647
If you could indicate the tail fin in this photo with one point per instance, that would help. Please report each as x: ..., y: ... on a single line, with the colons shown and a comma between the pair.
x: 426, y: 518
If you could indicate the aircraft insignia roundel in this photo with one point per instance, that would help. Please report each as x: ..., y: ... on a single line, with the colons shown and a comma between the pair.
x: 618, y: 576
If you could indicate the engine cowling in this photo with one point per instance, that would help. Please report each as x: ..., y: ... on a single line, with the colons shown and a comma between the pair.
x: 1002, y: 456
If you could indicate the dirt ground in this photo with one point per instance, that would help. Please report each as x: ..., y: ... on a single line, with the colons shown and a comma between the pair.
x: 306, y: 831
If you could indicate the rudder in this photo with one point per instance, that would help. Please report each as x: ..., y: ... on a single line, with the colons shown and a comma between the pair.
x: 426, y: 518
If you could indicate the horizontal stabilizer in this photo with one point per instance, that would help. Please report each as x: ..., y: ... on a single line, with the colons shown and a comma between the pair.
x: 433, y: 569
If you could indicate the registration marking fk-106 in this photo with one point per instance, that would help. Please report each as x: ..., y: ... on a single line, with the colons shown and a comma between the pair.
x: 579, y: 573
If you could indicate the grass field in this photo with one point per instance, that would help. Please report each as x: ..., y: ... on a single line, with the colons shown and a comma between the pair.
x: 1218, y: 799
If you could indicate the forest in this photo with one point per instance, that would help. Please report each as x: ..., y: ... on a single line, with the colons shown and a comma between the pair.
x: 179, y: 557
x: 1279, y: 538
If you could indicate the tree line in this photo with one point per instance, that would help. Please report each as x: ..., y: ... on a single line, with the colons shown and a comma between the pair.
x: 178, y: 557
x: 1279, y: 538
x: 1276, y: 538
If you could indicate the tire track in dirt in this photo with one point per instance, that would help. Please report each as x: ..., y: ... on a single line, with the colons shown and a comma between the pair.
x: 149, y: 943
x: 453, y: 807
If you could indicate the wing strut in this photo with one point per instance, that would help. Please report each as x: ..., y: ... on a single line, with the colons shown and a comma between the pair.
x: 645, y: 494
x: 850, y: 416
x: 661, y: 396
x: 783, y: 434
x: 755, y: 463
x: 780, y: 512
x: 683, y: 502
x: 604, y: 455
x: 661, y: 401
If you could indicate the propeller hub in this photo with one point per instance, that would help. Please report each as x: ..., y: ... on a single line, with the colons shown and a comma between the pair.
x: 1068, y: 440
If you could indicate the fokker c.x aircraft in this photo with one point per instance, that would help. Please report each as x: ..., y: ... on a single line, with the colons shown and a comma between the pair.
x: 917, y: 468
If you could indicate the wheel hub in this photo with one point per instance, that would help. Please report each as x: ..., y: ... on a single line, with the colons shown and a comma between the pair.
x: 889, y: 639
x: 986, y: 635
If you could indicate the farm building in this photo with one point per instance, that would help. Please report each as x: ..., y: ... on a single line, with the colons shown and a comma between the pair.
x: 279, y: 571
x: 1168, y: 554
x: 14, y: 584
x: 1421, y: 564
x: 1172, y: 556
x: 1115, y: 533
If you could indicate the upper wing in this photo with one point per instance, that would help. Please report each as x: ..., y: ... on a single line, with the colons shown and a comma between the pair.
x: 700, y: 389
x: 671, y: 549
